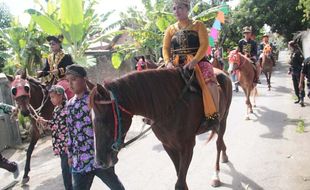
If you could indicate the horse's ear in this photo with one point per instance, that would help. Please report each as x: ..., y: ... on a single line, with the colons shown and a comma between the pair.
x: 9, y: 77
x: 24, y: 74
x: 101, y: 90
x: 89, y: 84
x: 136, y: 58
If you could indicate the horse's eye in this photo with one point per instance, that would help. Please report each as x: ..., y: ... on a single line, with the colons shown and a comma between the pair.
x: 27, y: 89
x: 14, y: 91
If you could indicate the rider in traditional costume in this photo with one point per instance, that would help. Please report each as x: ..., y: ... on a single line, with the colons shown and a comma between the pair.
x: 266, y: 46
x: 248, y: 47
x: 185, y: 44
x: 55, y: 66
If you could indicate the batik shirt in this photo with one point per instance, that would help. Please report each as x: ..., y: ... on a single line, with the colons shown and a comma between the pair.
x: 248, y: 46
x: 81, y: 135
x: 59, y: 130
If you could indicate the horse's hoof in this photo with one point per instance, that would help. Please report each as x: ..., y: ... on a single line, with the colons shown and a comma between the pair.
x: 224, y: 159
x: 254, y: 106
x: 215, y: 183
x: 252, y: 110
x: 25, y: 180
x: 247, y: 118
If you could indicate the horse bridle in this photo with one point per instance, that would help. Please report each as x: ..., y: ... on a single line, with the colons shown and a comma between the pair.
x: 241, y: 64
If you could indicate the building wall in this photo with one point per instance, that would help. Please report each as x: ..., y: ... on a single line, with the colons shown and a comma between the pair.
x: 104, y: 71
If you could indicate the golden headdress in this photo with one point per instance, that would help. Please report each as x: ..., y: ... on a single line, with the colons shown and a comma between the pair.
x: 185, y: 2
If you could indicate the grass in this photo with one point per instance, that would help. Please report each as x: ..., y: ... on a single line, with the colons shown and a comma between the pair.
x: 300, y: 126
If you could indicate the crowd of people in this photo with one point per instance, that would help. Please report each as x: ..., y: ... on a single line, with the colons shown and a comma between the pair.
x: 71, y: 125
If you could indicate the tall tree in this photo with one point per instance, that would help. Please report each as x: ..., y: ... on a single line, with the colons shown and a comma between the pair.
x: 5, y: 21
x: 283, y: 17
x: 305, y: 6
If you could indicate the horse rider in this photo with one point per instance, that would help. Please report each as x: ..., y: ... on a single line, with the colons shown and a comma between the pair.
x: 295, y: 69
x: 265, y: 43
x: 248, y: 47
x: 185, y: 44
x: 305, y: 73
x: 55, y: 66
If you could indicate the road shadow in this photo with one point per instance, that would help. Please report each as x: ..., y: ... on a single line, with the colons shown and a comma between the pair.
x: 239, y: 181
x: 274, y: 120
x: 158, y: 148
x: 51, y: 183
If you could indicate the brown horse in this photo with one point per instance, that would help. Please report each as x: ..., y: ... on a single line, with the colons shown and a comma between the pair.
x: 267, y: 63
x: 31, y: 99
x: 246, y: 76
x: 175, y: 111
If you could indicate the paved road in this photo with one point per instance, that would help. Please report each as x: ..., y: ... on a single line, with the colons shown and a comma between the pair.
x: 265, y: 152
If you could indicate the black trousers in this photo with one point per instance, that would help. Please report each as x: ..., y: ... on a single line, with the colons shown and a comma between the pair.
x: 300, y: 93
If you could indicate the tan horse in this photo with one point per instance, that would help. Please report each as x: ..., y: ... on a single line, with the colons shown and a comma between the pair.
x: 267, y: 63
x: 246, y: 75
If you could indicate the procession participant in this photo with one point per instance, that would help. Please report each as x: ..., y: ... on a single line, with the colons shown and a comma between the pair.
x: 248, y: 47
x: 265, y: 43
x: 59, y: 131
x: 55, y: 66
x: 81, y: 136
x: 185, y: 45
x: 296, y: 61
x: 305, y: 73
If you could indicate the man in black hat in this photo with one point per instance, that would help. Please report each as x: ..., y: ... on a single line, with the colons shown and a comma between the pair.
x: 248, y: 47
x: 81, y: 136
x: 295, y: 69
x: 55, y: 66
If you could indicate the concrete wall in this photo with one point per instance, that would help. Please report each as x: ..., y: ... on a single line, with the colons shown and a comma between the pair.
x: 9, y: 132
x: 104, y: 70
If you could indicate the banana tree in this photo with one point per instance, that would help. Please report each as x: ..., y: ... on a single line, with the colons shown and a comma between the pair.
x: 25, y: 47
x: 76, y: 21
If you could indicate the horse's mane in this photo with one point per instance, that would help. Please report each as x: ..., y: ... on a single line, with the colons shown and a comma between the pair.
x: 151, y: 90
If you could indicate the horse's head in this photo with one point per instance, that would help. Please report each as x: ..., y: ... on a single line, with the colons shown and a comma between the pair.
x: 141, y: 64
x: 234, y: 58
x: 267, y: 49
x: 20, y: 89
x: 104, y: 126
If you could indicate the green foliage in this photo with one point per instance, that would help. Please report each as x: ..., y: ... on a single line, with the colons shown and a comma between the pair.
x: 25, y: 47
x: 256, y: 13
x: 78, y: 23
x: 304, y: 5
x: 300, y: 126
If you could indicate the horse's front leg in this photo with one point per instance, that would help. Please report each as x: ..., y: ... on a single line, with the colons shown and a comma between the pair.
x: 185, y: 156
x: 269, y: 81
x: 35, y: 135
